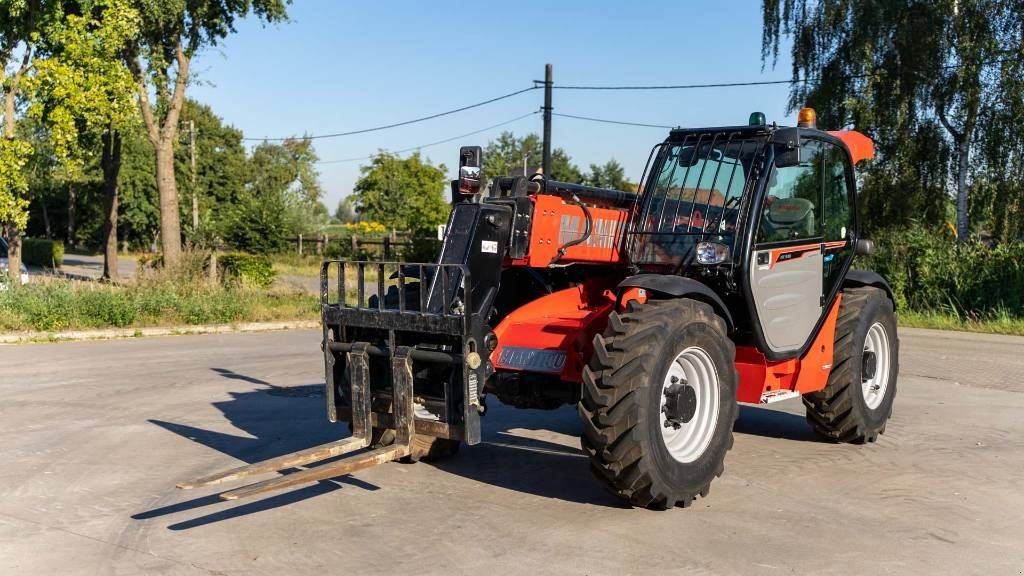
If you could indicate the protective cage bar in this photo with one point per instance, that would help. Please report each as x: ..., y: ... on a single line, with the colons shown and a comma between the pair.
x: 693, y: 194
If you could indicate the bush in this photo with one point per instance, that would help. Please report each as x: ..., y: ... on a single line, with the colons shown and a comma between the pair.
x: 928, y: 271
x: 56, y: 305
x: 248, y: 268
x: 41, y: 252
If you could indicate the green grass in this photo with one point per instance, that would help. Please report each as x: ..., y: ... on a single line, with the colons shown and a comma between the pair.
x: 61, y: 305
x: 997, y: 323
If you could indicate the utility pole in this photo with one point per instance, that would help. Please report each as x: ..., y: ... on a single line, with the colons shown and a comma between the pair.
x: 546, y: 166
x: 195, y: 197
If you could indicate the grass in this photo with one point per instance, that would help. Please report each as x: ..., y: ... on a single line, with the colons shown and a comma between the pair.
x: 62, y: 305
x: 291, y: 264
x: 1000, y: 323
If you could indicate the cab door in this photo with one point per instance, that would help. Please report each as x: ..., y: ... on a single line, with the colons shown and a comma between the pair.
x: 787, y: 260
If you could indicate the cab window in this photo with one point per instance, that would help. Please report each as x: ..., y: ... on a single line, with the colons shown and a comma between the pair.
x: 792, y: 209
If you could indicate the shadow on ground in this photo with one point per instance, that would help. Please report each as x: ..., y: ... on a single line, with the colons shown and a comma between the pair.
x: 277, y: 420
x: 770, y: 423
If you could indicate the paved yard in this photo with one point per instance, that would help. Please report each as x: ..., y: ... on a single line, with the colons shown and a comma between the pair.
x: 93, y: 436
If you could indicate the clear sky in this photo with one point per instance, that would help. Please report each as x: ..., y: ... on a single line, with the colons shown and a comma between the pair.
x: 340, y: 66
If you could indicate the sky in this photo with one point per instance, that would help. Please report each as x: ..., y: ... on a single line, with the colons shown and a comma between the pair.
x: 340, y: 66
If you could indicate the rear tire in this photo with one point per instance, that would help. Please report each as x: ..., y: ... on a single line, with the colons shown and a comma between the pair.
x: 857, y: 401
x: 644, y: 445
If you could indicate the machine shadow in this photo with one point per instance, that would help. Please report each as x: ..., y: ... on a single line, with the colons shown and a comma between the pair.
x: 276, y: 420
x: 769, y: 423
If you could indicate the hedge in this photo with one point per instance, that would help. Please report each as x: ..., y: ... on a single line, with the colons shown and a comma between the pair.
x: 41, y: 252
x: 249, y: 268
x: 929, y: 271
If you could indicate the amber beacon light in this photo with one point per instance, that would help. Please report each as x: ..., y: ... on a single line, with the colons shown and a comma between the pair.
x: 807, y: 118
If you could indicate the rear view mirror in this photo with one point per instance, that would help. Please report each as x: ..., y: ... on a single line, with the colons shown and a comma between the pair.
x: 469, y: 169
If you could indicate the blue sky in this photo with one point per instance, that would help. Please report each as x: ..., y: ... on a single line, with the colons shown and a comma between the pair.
x: 341, y: 66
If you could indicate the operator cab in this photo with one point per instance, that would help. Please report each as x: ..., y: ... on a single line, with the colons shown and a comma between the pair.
x: 761, y: 214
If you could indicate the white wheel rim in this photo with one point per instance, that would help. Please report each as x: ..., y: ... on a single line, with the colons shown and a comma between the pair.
x: 694, y: 367
x: 876, y: 341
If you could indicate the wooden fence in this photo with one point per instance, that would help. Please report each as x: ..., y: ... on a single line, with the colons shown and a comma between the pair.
x: 385, y: 246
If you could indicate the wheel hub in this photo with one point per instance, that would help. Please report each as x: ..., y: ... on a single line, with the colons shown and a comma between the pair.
x: 689, y: 404
x: 680, y: 404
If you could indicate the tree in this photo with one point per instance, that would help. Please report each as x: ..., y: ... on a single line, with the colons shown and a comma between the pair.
x: 85, y: 97
x: 611, y: 174
x: 20, y: 24
x: 281, y: 196
x: 509, y: 156
x: 925, y: 80
x: 173, y: 31
x: 402, y: 193
x: 345, y: 213
x: 220, y: 174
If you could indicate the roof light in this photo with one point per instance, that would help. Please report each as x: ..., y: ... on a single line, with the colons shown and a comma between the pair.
x: 807, y: 118
x: 757, y: 119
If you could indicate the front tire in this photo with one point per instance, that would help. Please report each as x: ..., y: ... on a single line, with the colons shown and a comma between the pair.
x: 857, y: 401
x: 659, y: 402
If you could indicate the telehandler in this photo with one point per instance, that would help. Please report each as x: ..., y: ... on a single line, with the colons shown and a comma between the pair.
x: 726, y: 278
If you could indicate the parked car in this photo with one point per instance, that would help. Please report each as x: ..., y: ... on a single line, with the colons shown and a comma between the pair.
x: 3, y: 263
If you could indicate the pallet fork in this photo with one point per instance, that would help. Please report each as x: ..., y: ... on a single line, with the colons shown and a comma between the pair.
x: 338, y: 318
x: 403, y: 421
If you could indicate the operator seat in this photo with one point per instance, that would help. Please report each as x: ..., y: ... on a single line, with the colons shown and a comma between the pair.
x: 791, y: 218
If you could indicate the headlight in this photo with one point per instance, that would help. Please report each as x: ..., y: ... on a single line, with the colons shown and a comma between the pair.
x: 712, y: 253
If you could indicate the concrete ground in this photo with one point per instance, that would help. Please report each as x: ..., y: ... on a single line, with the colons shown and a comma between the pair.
x: 91, y: 266
x: 94, y: 435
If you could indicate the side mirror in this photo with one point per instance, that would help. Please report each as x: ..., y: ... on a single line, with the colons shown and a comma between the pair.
x: 864, y: 247
x: 469, y: 169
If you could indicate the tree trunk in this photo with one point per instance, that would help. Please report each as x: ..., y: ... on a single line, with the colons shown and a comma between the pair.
x: 963, y: 227
x: 111, y: 164
x: 72, y: 195
x: 170, y: 219
x: 14, y: 255
x: 162, y: 130
x: 46, y: 220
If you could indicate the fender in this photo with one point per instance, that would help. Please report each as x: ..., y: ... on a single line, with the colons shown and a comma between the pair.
x: 679, y: 286
x: 869, y: 278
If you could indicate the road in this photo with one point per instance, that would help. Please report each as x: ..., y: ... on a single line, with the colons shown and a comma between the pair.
x: 94, y: 435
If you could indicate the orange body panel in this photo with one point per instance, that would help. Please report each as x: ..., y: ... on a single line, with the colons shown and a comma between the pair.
x: 861, y: 147
x: 565, y: 321
x: 555, y: 223
x: 806, y: 374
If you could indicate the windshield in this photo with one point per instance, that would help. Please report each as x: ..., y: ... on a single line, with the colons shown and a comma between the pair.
x: 693, y: 194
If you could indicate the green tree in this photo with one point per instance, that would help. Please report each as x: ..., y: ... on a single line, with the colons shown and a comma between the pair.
x: 507, y: 155
x: 929, y: 82
x: 21, y: 23
x: 402, y: 193
x: 172, y: 32
x: 611, y: 174
x: 281, y: 197
x: 345, y: 213
x: 85, y: 97
x: 220, y: 174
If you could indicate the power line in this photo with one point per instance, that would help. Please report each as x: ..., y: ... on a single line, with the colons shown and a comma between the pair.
x: 750, y: 83
x: 404, y: 122
x: 679, y: 86
x: 606, y: 121
x: 445, y: 141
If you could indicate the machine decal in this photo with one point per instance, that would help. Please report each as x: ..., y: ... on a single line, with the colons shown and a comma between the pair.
x: 532, y: 359
x: 489, y: 246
